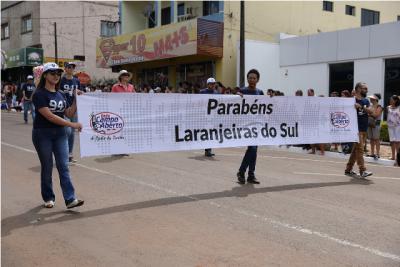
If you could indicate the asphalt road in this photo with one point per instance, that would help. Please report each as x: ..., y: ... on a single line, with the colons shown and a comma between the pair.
x: 180, y: 209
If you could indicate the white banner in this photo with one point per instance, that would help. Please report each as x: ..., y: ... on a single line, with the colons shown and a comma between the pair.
x: 124, y: 123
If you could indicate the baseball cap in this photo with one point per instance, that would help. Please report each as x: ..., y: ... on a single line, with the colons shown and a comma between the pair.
x: 51, y: 66
x: 70, y: 64
x: 30, y: 77
x: 211, y: 80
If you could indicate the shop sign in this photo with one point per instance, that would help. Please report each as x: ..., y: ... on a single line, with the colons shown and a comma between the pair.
x: 23, y: 57
x: 34, y: 56
x: 169, y: 41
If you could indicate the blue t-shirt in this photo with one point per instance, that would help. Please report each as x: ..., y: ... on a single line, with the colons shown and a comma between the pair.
x: 68, y: 86
x: 28, y: 89
x: 248, y: 91
x: 362, y: 116
x: 208, y: 91
x: 55, y: 101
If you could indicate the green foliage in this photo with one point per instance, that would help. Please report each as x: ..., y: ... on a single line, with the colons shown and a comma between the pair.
x: 384, y: 132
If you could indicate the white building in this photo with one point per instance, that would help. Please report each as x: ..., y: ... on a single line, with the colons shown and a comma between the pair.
x: 331, y: 61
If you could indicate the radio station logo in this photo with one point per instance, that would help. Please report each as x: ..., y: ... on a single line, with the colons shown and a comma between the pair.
x: 106, y: 123
x: 340, y: 119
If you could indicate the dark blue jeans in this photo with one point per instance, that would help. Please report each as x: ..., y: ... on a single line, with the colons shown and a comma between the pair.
x: 71, y: 137
x: 49, y: 141
x: 249, y: 160
x: 28, y: 105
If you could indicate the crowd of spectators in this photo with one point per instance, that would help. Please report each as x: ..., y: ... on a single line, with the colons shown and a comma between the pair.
x: 12, y: 98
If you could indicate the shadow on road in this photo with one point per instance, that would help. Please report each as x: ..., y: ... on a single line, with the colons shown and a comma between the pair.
x: 34, y: 218
x: 110, y: 158
x: 203, y: 158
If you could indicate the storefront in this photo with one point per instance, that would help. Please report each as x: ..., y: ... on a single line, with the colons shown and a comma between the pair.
x: 19, y: 63
x: 168, y: 55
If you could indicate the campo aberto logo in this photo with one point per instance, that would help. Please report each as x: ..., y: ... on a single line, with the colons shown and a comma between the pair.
x: 340, y: 119
x: 106, y: 123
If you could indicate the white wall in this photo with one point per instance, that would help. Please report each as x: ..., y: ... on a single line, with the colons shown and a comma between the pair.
x: 264, y: 57
x: 379, y: 40
x: 372, y: 72
x: 303, y: 77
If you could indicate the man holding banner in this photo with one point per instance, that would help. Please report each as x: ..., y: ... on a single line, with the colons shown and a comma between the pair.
x: 362, y: 106
x: 250, y: 158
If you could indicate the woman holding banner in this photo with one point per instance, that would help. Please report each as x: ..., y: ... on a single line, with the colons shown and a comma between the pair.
x: 49, y: 135
x: 250, y: 157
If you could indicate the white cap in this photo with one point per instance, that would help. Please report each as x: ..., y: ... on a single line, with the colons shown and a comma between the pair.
x: 122, y: 72
x: 157, y: 89
x: 70, y: 64
x: 30, y: 77
x: 211, y: 80
x: 51, y: 66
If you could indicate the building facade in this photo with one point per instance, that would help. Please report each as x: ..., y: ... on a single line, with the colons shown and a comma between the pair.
x: 331, y: 61
x: 264, y: 21
x: 75, y: 24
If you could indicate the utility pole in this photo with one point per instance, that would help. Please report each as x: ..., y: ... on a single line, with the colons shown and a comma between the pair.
x: 55, y: 43
x: 242, y: 23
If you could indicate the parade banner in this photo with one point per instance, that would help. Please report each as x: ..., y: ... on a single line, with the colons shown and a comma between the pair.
x: 124, y: 123
x: 177, y: 39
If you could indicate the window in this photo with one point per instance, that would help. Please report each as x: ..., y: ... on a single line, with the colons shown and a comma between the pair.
x: 327, y: 6
x: 26, y: 25
x: 152, y: 20
x: 210, y: 7
x: 5, y: 31
x: 109, y: 28
x: 398, y: 18
x: 165, y: 16
x: 350, y: 10
x: 181, y: 9
x: 369, y: 17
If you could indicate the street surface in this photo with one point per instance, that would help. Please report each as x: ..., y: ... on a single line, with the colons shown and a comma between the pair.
x: 181, y: 209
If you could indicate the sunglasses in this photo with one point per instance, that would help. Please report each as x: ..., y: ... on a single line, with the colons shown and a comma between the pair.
x: 54, y: 73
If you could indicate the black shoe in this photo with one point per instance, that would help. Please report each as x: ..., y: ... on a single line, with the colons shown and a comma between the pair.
x: 251, y: 179
x: 350, y: 173
x: 241, y: 178
x: 71, y: 160
x: 209, y: 154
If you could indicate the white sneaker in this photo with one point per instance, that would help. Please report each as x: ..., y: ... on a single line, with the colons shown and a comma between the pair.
x: 365, y: 174
x: 49, y: 204
x: 75, y: 203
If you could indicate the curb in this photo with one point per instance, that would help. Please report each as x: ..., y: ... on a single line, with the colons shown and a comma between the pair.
x: 337, y: 155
